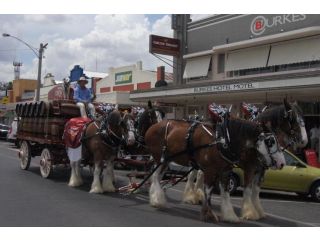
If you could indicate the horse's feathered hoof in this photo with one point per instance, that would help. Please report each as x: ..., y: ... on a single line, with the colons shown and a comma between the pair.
x: 96, y: 190
x: 207, y: 215
x: 250, y: 216
x: 75, y: 183
x: 109, y: 189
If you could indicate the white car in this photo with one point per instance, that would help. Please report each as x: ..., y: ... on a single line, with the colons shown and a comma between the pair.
x: 12, y: 134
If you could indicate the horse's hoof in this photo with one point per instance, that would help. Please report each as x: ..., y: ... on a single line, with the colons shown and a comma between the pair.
x: 209, y: 216
x: 109, y: 189
x: 75, y: 183
x: 192, y: 198
x: 232, y: 220
x: 158, y: 205
x: 200, y: 196
x: 191, y: 201
x: 252, y: 217
x: 96, y: 190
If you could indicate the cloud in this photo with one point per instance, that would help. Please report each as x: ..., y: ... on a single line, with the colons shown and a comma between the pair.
x: 95, y: 42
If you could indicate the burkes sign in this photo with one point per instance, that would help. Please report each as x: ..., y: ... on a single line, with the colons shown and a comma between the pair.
x: 164, y: 45
x: 260, y: 23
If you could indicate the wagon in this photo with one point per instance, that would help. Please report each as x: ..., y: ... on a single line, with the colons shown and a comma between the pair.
x: 40, y: 131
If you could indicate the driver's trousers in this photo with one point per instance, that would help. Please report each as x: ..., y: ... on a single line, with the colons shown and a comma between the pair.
x: 83, y: 112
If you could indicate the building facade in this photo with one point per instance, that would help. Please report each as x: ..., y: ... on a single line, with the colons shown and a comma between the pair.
x: 116, y: 87
x: 229, y: 59
x: 24, y: 89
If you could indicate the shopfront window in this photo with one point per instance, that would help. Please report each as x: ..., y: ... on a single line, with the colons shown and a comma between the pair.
x: 277, y: 68
x: 221, y: 63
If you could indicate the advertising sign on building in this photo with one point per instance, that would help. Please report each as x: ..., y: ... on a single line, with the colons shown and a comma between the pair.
x: 56, y: 93
x: 5, y: 100
x: 164, y: 45
x: 260, y: 23
x: 123, y: 77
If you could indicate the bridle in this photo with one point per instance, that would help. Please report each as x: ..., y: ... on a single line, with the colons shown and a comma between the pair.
x: 109, y: 137
x: 128, y: 124
x: 270, y: 140
x: 289, y: 116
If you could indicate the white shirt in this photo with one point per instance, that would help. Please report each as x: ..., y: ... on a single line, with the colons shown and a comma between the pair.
x: 315, y: 132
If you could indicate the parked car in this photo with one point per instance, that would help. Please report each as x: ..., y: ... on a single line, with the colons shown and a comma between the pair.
x: 4, y: 129
x: 12, y: 134
x: 296, y: 177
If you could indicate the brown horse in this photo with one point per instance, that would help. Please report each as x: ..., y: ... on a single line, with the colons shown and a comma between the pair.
x: 101, y: 141
x: 142, y: 123
x: 167, y: 142
x: 286, y: 121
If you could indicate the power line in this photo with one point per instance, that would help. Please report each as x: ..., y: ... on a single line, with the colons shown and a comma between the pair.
x: 13, y: 50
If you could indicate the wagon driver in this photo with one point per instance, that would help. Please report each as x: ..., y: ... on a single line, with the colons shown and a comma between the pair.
x: 82, y: 95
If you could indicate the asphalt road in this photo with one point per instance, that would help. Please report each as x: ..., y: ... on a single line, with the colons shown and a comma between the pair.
x: 26, y: 199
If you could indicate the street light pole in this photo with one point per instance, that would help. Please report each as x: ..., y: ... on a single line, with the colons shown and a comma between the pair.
x: 39, y: 55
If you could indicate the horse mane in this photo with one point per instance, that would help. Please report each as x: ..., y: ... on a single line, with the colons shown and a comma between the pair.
x: 296, y: 108
x: 114, y: 117
x: 241, y: 130
x: 274, y: 115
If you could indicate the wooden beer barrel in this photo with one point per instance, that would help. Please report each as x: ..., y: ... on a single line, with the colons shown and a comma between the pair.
x: 20, y: 109
x: 29, y: 106
x: 69, y: 110
x: 24, y: 109
x: 32, y: 109
x: 43, y: 109
x: 17, y: 110
x: 53, y: 128
x: 37, y: 112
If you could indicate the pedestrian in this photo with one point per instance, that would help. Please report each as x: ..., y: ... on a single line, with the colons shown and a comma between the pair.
x: 314, y: 137
x: 82, y: 96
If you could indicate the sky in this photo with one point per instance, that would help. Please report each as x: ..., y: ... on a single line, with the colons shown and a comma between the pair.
x: 114, y: 35
x: 95, y: 42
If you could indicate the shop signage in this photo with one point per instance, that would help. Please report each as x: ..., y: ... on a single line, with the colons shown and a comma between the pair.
x: 260, y: 23
x: 165, y: 104
x: 5, y: 100
x: 164, y: 45
x: 226, y: 87
x: 56, y: 93
x: 123, y: 77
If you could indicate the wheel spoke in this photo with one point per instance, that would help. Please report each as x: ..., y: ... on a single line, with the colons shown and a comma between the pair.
x: 45, y: 167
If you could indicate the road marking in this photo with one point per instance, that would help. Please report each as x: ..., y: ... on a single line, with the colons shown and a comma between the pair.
x: 289, y: 201
x: 272, y: 215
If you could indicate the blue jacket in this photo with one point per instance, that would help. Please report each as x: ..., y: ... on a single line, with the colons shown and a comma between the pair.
x: 82, y: 95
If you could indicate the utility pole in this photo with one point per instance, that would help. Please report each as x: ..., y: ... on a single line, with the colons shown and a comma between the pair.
x: 179, y: 23
x: 41, y: 49
x: 39, y: 54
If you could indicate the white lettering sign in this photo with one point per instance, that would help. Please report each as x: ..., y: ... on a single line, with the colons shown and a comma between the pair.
x: 260, y: 23
x: 226, y: 87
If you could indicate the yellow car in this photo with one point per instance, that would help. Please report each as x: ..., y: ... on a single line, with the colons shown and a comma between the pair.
x: 296, y: 177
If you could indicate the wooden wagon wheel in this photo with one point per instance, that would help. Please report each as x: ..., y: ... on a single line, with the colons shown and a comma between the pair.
x: 25, y: 155
x: 45, y: 163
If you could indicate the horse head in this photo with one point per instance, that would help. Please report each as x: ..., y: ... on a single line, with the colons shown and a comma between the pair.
x: 245, y: 135
x: 129, y: 130
x: 115, y: 126
x: 270, y: 151
x: 147, y: 118
x: 293, y: 124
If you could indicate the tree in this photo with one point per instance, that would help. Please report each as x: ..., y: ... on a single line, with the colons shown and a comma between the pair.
x: 5, y: 86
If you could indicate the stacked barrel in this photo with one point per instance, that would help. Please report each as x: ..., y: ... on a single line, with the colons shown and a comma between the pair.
x: 45, y: 120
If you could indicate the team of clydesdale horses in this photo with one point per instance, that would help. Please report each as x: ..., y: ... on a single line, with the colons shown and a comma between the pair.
x: 256, y: 144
